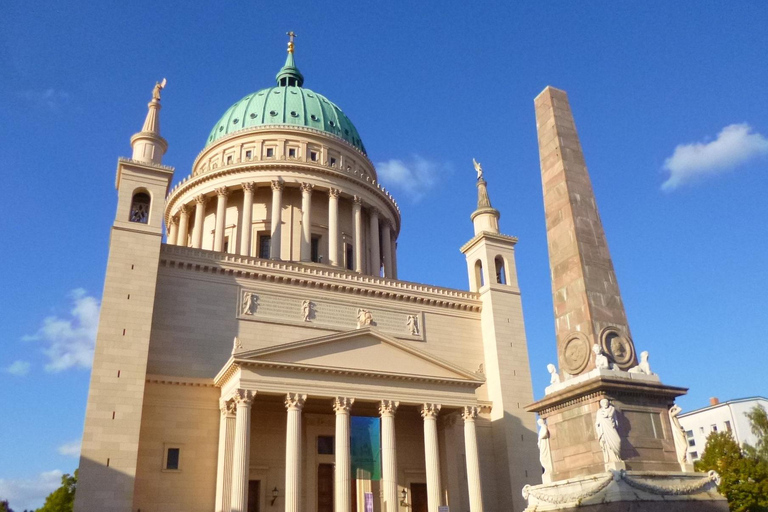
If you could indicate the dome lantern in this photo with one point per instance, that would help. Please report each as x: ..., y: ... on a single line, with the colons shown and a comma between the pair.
x: 289, y: 74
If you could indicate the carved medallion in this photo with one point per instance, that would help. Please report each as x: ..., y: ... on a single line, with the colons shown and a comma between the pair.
x: 618, y: 347
x: 575, y: 353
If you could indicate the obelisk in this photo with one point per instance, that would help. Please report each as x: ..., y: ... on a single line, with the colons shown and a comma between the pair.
x: 587, y: 303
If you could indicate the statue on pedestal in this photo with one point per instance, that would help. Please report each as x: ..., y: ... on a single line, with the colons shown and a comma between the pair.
x: 678, y: 434
x: 554, y: 376
x: 643, y: 367
x: 601, y: 361
x: 545, y: 455
x: 607, y: 433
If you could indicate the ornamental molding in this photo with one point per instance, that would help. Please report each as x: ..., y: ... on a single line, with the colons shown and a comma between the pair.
x: 317, y: 277
x: 498, y: 238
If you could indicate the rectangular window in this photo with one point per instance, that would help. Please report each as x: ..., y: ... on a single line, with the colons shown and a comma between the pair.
x: 270, y: 152
x: 691, y: 442
x: 701, y: 430
x: 689, y: 433
x: 728, y: 426
x: 172, y: 459
x: 714, y: 428
x: 229, y: 159
x: 248, y: 154
x: 226, y: 244
x: 313, y: 156
x: 349, y: 255
x: 265, y: 241
x: 694, y: 455
x: 325, y: 445
x: 291, y: 152
x: 333, y: 162
x: 316, y: 249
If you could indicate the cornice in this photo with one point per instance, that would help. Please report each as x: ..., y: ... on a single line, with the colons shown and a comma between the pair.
x: 179, y: 381
x: 487, y: 235
x: 322, y: 277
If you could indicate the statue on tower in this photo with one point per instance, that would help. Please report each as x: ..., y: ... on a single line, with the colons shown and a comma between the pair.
x: 478, y: 168
x: 159, y: 86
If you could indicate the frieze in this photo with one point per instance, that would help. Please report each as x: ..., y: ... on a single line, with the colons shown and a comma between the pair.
x: 328, y: 314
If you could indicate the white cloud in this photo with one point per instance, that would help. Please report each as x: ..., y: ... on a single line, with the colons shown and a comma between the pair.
x: 49, y: 98
x: 70, y: 449
x: 29, y: 493
x: 735, y: 145
x: 69, y: 342
x: 18, y: 368
x: 415, y: 177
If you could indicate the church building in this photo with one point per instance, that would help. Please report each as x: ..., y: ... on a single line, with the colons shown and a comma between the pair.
x: 257, y: 352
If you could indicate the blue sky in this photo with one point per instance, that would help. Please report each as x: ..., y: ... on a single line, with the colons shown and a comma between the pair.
x: 670, y: 103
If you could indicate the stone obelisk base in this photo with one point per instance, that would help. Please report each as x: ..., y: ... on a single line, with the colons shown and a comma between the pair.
x: 629, y: 491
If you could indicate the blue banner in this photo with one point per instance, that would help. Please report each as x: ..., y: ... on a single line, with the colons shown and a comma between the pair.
x: 365, y: 445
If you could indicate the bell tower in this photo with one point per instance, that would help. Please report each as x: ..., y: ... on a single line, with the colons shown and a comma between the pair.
x: 492, y: 274
x: 113, y: 416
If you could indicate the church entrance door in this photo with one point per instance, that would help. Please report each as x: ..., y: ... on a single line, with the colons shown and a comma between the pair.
x: 325, y: 488
x: 418, y: 497
x: 254, y: 495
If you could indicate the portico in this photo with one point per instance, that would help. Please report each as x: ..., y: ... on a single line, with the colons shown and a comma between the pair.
x: 325, y: 381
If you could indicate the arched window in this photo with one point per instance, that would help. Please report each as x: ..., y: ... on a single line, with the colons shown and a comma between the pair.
x: 479, y: 278
x: 501, y: 274
x: 140, y: 208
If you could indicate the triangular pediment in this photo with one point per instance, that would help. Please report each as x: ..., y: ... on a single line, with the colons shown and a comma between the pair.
x: 359, y: 351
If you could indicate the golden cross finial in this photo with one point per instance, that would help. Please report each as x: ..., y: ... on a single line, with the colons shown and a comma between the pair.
x: 291, y: 36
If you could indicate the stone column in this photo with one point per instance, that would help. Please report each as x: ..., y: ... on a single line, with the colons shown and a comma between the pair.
x: 306, y: 220
x: 294, y: 402
x: 181, y: 237
x: 333, y: 226
x: 394, y: 259
x: 197, y: 230
x: 342, y: 483
x: 241, y: 451
x: 374, y: 244
x: 387, y: 410
x: 226, y: 446
x: 221, y: 218
x: 173, y: 231
x: 277, y: 214
x: 386, y: 238
x: 473, y: 462
x: 247, y: 218
x: 357, y: 222
x: 434, y: 491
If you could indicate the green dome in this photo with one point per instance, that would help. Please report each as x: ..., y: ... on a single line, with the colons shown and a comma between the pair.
x: 287, y: 104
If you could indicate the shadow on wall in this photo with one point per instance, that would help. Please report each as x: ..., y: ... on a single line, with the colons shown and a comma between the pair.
x: 101, y: 484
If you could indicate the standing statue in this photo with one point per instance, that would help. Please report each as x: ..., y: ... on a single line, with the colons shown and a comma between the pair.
x: 607, y: 434
x: 159, y: 86
x: 601, y: 361
x: 412, y: 322
x: 545, y: 454
x: 249, y: 301
x: 678, y: 434
x: 478, y: 168
x: 643, y: 367
x: 364, y: 318
x: 554, y: 377
x: 306, y: 310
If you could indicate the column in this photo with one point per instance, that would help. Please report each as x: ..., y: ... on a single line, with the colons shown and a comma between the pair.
x: 374, y: 243
x: 342, y: 483
x: 387, y: 410
x: 221, y: 218
x: 473, y: 462
x: 226, y: 446
x: 386, y: 238
x: 357, y: 222
x: 294, y: 402
x: 333, y: 226
x: 429, y: 412
x: 197, y: 230
x: 306, y: 219
x: 394, y: 259
x: 173, y: 231
x: 181, y: 238
x: 241, y: 451
x: 246, y: 219
x: 277, y: 214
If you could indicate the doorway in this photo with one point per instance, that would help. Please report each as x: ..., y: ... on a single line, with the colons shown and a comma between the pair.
x: 325, y: 488
x: 254, y: 495
x: 418, y: 497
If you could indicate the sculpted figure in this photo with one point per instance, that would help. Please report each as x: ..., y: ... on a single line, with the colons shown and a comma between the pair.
x: 478, y: 168
x: 249, y: 301
x: 643, y: 367
x: 554, y: 377
x: 306, y: 310
x: 545, y: 455
x: 159, y: 86
x: 678, y: 434
x: 364, y: 318
x: 601, y: 361
x: 412, y: 322
x: 607, y: 434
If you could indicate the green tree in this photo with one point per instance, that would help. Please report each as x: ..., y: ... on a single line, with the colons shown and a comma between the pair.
x: 63, y: 498
x: 743, y: 479
x: 758, y: 420
x: 4, y: 507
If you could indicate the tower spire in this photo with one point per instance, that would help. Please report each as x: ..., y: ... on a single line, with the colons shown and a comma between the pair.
x: 148, y: 145
x: 486, y: 217
x: 289, y: 74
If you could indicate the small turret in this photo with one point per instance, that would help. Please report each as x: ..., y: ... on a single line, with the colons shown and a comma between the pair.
x: 148, y: 145
x: 486, y: 217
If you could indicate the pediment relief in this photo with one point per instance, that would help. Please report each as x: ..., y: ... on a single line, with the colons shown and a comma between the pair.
x: 359, y: 351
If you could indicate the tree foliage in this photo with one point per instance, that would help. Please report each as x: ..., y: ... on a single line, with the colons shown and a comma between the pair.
x: 63, y: 498
x: 744, y: 479
x: 758, y: 420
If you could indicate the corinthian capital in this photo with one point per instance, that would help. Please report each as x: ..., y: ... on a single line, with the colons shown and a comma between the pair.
x: 243, y: 397
x: 295, y: 401
x: 249, y: 186
x: 184, y: 210
x: 388, y: 407
x: 306, y: 188
x: 222, y: 191
x: 469, y: 413
x: 277, y: 185
x: 430, y: 410
x: 342, y: 404
x: 200, y: 199
x: 334, y: 192
x: 357, y: 200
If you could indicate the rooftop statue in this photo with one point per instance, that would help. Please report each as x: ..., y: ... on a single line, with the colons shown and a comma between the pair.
x: 644, y: 366
x: 159, y: 86
x: 478, y: 168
